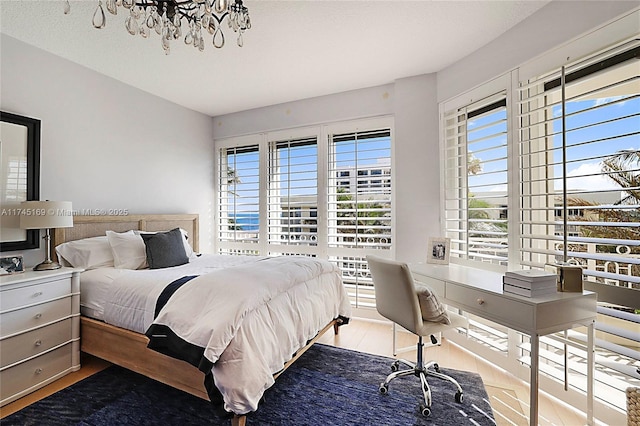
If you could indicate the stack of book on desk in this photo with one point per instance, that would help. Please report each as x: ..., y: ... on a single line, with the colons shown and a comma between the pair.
x: 529, y: 282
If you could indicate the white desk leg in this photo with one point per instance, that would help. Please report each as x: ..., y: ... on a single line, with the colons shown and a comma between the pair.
x: 590, y: 371
x: 533, y: 384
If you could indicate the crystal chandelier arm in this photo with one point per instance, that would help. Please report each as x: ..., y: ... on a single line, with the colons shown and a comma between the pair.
x: 165, y: 16
x: 221, y: 18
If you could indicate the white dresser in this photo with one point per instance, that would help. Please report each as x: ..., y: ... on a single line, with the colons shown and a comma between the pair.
x: 39, y: 330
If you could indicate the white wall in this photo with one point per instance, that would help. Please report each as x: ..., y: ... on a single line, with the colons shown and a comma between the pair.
x: 555, y: 24
x: 106, y: 145
x: 417, y: 165
x: 324, y: 109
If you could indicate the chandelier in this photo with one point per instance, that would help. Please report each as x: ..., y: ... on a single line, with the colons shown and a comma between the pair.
x: 165, y: 18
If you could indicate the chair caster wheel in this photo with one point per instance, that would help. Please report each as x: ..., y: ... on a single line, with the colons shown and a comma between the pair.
x: 459, y: 397
x: 424, y: 410
x: 395, y: 366
x: 384, y: 388
x: 436, y: 367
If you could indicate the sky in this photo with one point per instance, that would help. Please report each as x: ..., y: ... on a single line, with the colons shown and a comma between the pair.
x: 586, y: 144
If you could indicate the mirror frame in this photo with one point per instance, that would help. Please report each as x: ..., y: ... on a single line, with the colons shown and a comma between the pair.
x: 32, y: 239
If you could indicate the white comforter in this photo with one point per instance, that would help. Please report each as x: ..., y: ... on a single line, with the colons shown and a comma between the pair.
x: 250, y: 317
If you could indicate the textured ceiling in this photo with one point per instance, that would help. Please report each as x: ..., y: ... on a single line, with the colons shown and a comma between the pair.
x: 295, y: 49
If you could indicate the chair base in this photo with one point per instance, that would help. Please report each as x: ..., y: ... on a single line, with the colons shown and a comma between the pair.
x: 421, y: 370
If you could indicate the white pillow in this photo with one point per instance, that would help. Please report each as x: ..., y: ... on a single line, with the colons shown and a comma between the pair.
x: 128, y: 250
x: 88, y: 253
x: 185, y: 240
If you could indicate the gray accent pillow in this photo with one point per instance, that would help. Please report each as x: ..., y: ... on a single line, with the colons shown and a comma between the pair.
x: 165, y: 249
x: 432, y: 309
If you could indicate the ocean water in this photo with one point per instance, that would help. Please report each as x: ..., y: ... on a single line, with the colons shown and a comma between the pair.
x: 248, y: 221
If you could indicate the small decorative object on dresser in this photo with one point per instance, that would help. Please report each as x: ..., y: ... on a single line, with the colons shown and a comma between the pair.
x: 438, y: 250
x: 11, y: 265
x: 39, y: 330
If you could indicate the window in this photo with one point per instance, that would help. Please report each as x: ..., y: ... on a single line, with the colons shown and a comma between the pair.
x: 16, y: 179
x: 580, y: 165
x: 293, y: 191
x: 238, y: 194
x: 476, y: 180
x: 360, y: 218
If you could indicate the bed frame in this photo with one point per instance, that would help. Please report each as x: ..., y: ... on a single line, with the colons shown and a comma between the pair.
x: 128, y: 349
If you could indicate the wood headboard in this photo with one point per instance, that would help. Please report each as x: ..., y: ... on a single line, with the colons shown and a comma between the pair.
x: 93, y: 226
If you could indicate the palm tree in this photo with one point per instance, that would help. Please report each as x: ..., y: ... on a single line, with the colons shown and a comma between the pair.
x: 620, y: 168
x: 368, y: 215
x: 623, y: 168
x: 474, y: 166
x: 232, y: 180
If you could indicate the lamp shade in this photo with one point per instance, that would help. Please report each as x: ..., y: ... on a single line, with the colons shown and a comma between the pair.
x: 46, y: 214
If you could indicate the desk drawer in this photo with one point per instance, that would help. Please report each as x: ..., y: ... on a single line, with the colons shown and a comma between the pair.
x: 436, y: 285
x: 28, y: 295
x: 25, y: 345
x: 35, y: 316
x: 31, y: 373
x: 491, y: 306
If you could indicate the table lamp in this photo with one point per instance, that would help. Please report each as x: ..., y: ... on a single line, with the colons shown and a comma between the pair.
x: 46, y: 215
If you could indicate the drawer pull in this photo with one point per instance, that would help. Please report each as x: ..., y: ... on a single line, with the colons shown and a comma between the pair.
x: 38, y: 316
x: 38, y: 371
x: 38, y: 343
x: 480, y: 301
x: 38, y: 294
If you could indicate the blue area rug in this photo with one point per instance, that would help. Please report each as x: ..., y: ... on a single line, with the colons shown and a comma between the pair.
x: 326, y: 386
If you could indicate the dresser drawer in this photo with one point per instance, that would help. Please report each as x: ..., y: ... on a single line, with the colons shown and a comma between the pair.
x: 38, y: 293
x: 31, y: 373
x: 34, y: 316
x: 495, y: 307
x: 26, y: 345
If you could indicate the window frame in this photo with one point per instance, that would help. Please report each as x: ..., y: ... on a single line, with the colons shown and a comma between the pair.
x: 507, y: 84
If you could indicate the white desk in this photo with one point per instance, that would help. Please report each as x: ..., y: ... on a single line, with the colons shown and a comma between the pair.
x: 479, y: 292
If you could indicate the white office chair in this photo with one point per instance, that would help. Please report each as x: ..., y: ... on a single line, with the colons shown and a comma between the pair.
x: 397, y: 300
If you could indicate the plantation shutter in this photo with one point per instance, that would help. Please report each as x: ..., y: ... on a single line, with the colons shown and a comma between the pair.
x: 359, y: 207
x: 596, y: 172
x: 239, y: 180
x: 476, y: 180
x: 579, y: 154
x: 360, y: 174
x: 293, y: 192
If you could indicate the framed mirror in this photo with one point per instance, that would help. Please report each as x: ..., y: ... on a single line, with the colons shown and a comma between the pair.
x: 19, y: 178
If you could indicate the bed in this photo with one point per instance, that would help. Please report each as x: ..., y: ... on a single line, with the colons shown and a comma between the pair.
x: 119, y: 335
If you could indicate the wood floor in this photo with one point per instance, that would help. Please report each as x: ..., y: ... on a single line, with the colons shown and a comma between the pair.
x: 508, y: 395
